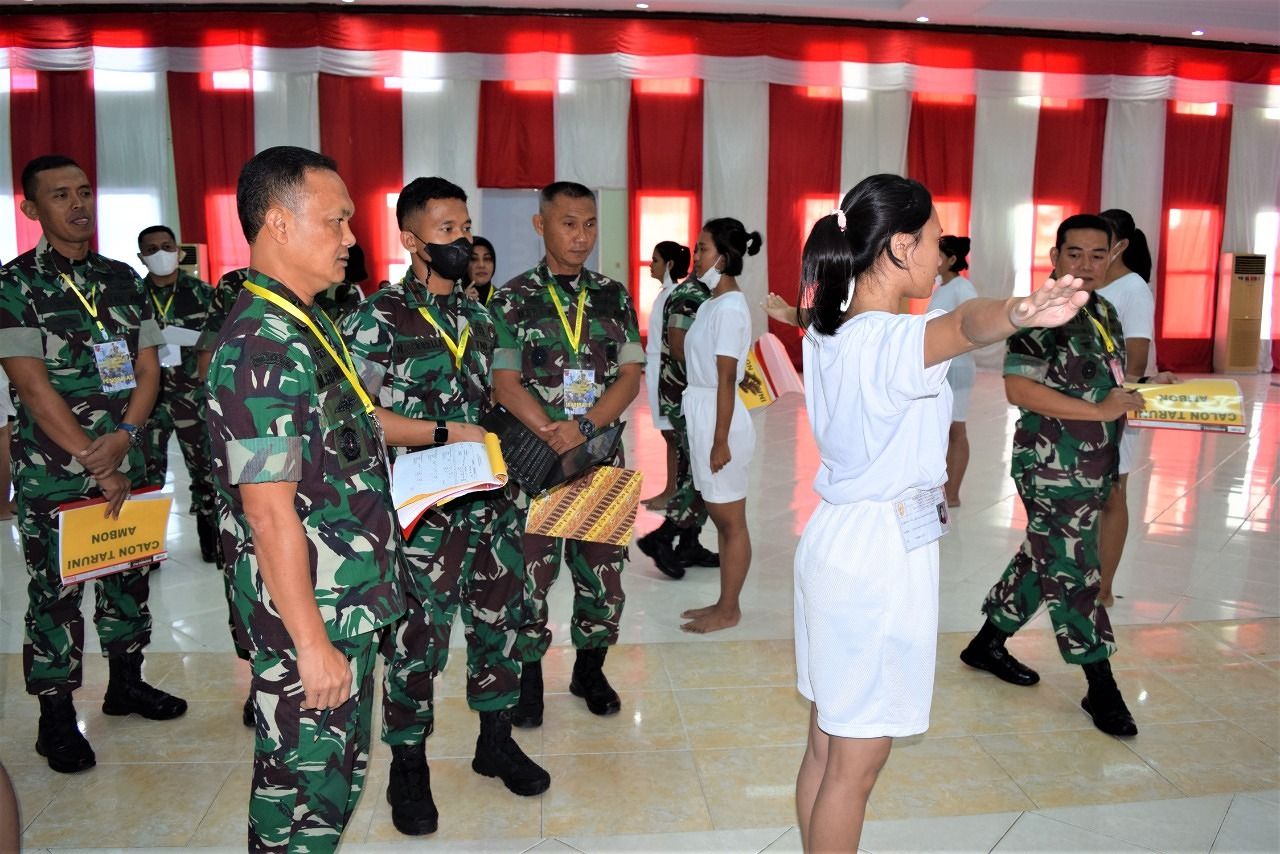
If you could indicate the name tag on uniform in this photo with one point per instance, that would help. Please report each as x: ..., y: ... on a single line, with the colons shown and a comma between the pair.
x: 1117, y: 370
x: 579, y: 390
x: 115, y: 367
x: 922, y: 516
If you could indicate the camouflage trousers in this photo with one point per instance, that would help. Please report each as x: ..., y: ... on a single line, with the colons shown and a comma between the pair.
x: 686, y: 508
x: 308, y: 764
x: 1057, y: 566
x: 181, y: 409
x: 459, y: 557
x: 53, y: 648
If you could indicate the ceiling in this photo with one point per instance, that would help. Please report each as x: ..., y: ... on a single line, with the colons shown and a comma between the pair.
x: 1238, y: 21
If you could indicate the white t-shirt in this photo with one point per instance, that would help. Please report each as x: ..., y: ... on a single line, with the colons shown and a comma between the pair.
x: 653, y: 347
x: 722, y: 327
x: 947, y: 298
x: 879, y: 416
x: 1131, y: 295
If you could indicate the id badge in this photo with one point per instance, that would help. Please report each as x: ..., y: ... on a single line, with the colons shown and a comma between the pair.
x: 115, y: 367
x: 922, y: 516
x: 1117, y: 370
x: 170, y: 356
x: 579, y: 390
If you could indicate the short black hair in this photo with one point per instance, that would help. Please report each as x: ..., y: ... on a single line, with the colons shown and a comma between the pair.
x: 732, y: 242
x: 1090, y: 222
x: 43, y: 163
x: 419, y: 191
x: 274, y: 175
x: 156, y: 229
x: 956, y: 247
x: 568, y: 189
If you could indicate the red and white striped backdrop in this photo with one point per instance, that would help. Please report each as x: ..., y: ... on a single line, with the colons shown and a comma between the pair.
x: 766, y: 121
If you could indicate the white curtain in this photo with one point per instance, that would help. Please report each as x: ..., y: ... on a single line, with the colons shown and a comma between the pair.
x: 441, y: 130
x: 1001, y: 217
x: 875, y: 135
x: 735, y: 173
x: 591, y: 132
x: 8, y: 210
x: 1133, y: 164
x: 286, y: 109
x: 1253, y: 203
x: 136, y: 183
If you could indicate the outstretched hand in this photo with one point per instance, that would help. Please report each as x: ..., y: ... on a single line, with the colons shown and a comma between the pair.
x: 1052, y: 305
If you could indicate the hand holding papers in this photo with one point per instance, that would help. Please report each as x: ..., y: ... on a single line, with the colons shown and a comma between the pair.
x: 91, y: 544
x: 423, y: 479
x: 1210, y: 404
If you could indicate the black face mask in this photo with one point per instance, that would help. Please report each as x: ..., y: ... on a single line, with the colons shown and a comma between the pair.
x: 449, y: 260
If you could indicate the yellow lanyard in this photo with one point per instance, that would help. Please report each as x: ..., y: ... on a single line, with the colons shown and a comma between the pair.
x: 346, y: 365
x: 457, y: 348
x: 574, y: 337
x: 164, y: 312
x: 91, y: 307
x: 1106, y: 339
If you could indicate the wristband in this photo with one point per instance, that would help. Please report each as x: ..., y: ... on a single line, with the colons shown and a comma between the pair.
x: 133, y: 432
x: 1143, y: 380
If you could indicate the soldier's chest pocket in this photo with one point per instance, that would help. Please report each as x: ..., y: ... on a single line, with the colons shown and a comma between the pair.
x: 1087, y: 367
x: 545, y: 352
x: 350, y: 443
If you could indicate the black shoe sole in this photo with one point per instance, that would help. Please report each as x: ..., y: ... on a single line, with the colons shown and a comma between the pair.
x: 1003, y: 677
x: 534, y: 787
x: 1129, y: 731
x: 121, y: 711
x: 610, y: 708
x: 421, y: 827
x: 61, y: 767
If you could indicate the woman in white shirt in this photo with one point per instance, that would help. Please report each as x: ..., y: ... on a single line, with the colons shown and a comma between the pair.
x: 948, y: 296
x: 866, y: 568
x: 721, y: 436
x: 669, y: 265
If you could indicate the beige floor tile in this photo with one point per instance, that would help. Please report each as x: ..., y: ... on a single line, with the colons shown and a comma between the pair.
x: 630, y: 667
x: 1265, y: 727
x: 649, y: 720
x: 210, y: 731
x: 1076, y: 768
x: 746, y: 717
x: 1150, y: 697
x: 969, y: 702
x: 1169, y: 644
x: 1243, y: 682
x: 1207, y: 758
x: 750, y: 786
x: 227, y: 820
x: 1255, y: 638
x: 623, y: 793
x: 116, y: 806
x: 36, y: 786
x: 943, y: 776
x: 207, y: 676
x: 730, y: 664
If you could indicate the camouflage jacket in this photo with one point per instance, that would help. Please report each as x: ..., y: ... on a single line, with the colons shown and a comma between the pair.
x: 280, y: 409
x: 404, y: 361
x: 186, y: 303
x: 679, y: 311
x: 41, y: 318
x: 533, y: 341
x: 1071, y: 359
x: 224, y: 296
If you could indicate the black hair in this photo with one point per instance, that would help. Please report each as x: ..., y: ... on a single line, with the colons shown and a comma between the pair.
x: 1137, y: 255
x: 43, y: 163
x: 274, y: 175
x: 568, y: 189
x: 418, y: 192
x: 875, y: 210
x: 677, y: 256
x: 356, y: 270
x: 1092, y: 222
x: 477, y: 240
x: 733, y: 242
x: 156, y: 229
x: 958, y: 248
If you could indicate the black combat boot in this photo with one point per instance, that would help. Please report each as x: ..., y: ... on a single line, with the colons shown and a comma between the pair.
x: 210, y: 547
x: 659, y: 544
x: 1104, y: 704
x: 498, y: 755
x: 528, y: 712
x: 59, y: 739
x: 413, y: 812
x: 127, y: 694
x: 589, y: 682
x: 690, y: 552
x: 986, y: 652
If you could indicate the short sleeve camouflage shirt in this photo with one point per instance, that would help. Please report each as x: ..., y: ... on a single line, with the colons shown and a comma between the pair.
x: 186, y: 303
x: 679, y: 311
x: 224, y: 296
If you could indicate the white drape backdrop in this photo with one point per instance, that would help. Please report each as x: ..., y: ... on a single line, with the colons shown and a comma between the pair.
x: 441, y: 136
x: 286, y: 109
x: 1133, y: 164
x: 591, y: 132
x: 874, y: 136
x: 1253, y: 199
x: 8, y: 208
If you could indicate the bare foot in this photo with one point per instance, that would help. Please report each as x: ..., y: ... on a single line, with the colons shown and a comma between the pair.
x: 657, y: 502
x: 1107, y: 599
x: 712, y: 622
x: 695, y: 613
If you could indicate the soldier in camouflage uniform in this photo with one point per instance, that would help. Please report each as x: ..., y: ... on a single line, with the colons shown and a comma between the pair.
x: 1068, y: 385
x: 560, y: 325
x: 74, y: 440
x: 308, y: 526
x: 425, y: 350
x: 224, y: 296
x: 179, y: 299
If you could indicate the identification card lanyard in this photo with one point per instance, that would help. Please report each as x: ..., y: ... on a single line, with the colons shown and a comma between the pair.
x: 1113, y: 360
x: 457, y: 348
x: 579, y: 383
x: 111, y: 355
x: 922, y: 516
x: 163, y: 311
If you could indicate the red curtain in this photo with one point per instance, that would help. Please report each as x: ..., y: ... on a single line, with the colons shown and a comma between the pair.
x: 360, y: 127
x: 212, y: 139
x: 517, y: 134
x: 805, y: 134
x: 940, y: 156
x: 50, y: 112
x: 1196, y: 151
x: 1068, y: 172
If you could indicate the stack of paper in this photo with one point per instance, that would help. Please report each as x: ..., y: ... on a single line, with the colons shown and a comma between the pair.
x: 423, y: 479
x: 1210, y: 404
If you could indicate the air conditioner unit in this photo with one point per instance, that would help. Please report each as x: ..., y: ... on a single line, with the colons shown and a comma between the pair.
x: 193, y: 258
x: 1238, y: 321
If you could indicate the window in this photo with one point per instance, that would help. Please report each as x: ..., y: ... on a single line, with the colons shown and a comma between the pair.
x: 1191, y: 108
x: 238, y: 80
x: 119, y: 212
x: 673, y: 86
x: 1190, y: 268
x: 660, y: 216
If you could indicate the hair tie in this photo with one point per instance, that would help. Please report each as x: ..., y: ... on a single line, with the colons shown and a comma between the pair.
x: 838, y: 213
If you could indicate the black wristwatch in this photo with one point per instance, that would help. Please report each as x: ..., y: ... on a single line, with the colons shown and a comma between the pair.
x: 586, y: 428
x: 134, y: 432
x: 441, y: 435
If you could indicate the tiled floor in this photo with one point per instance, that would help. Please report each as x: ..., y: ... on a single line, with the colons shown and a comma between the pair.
x: 704, y: 754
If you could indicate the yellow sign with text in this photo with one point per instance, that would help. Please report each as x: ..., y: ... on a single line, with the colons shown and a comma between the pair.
x: 90, y: 544
x: 1211, y: 404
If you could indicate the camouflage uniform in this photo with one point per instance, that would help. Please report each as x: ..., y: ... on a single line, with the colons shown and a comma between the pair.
x: 685, y: 509
x: 224, y: 296
x: 1063, y: 471
x: 41, y: 317
x: 180, y: 405
x: 457, y: 554
x: 280, y: 409
x: 531, y: 340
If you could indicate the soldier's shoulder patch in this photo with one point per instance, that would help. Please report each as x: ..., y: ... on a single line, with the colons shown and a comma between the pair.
x: 272, y: 360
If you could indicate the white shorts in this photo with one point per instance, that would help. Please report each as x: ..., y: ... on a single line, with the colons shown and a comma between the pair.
x: 1128, y: 447
x: 960, y: 377
x: 866, y: 622
x: 730, y: 483
x: 652, y: 365
x: 7, y: 412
